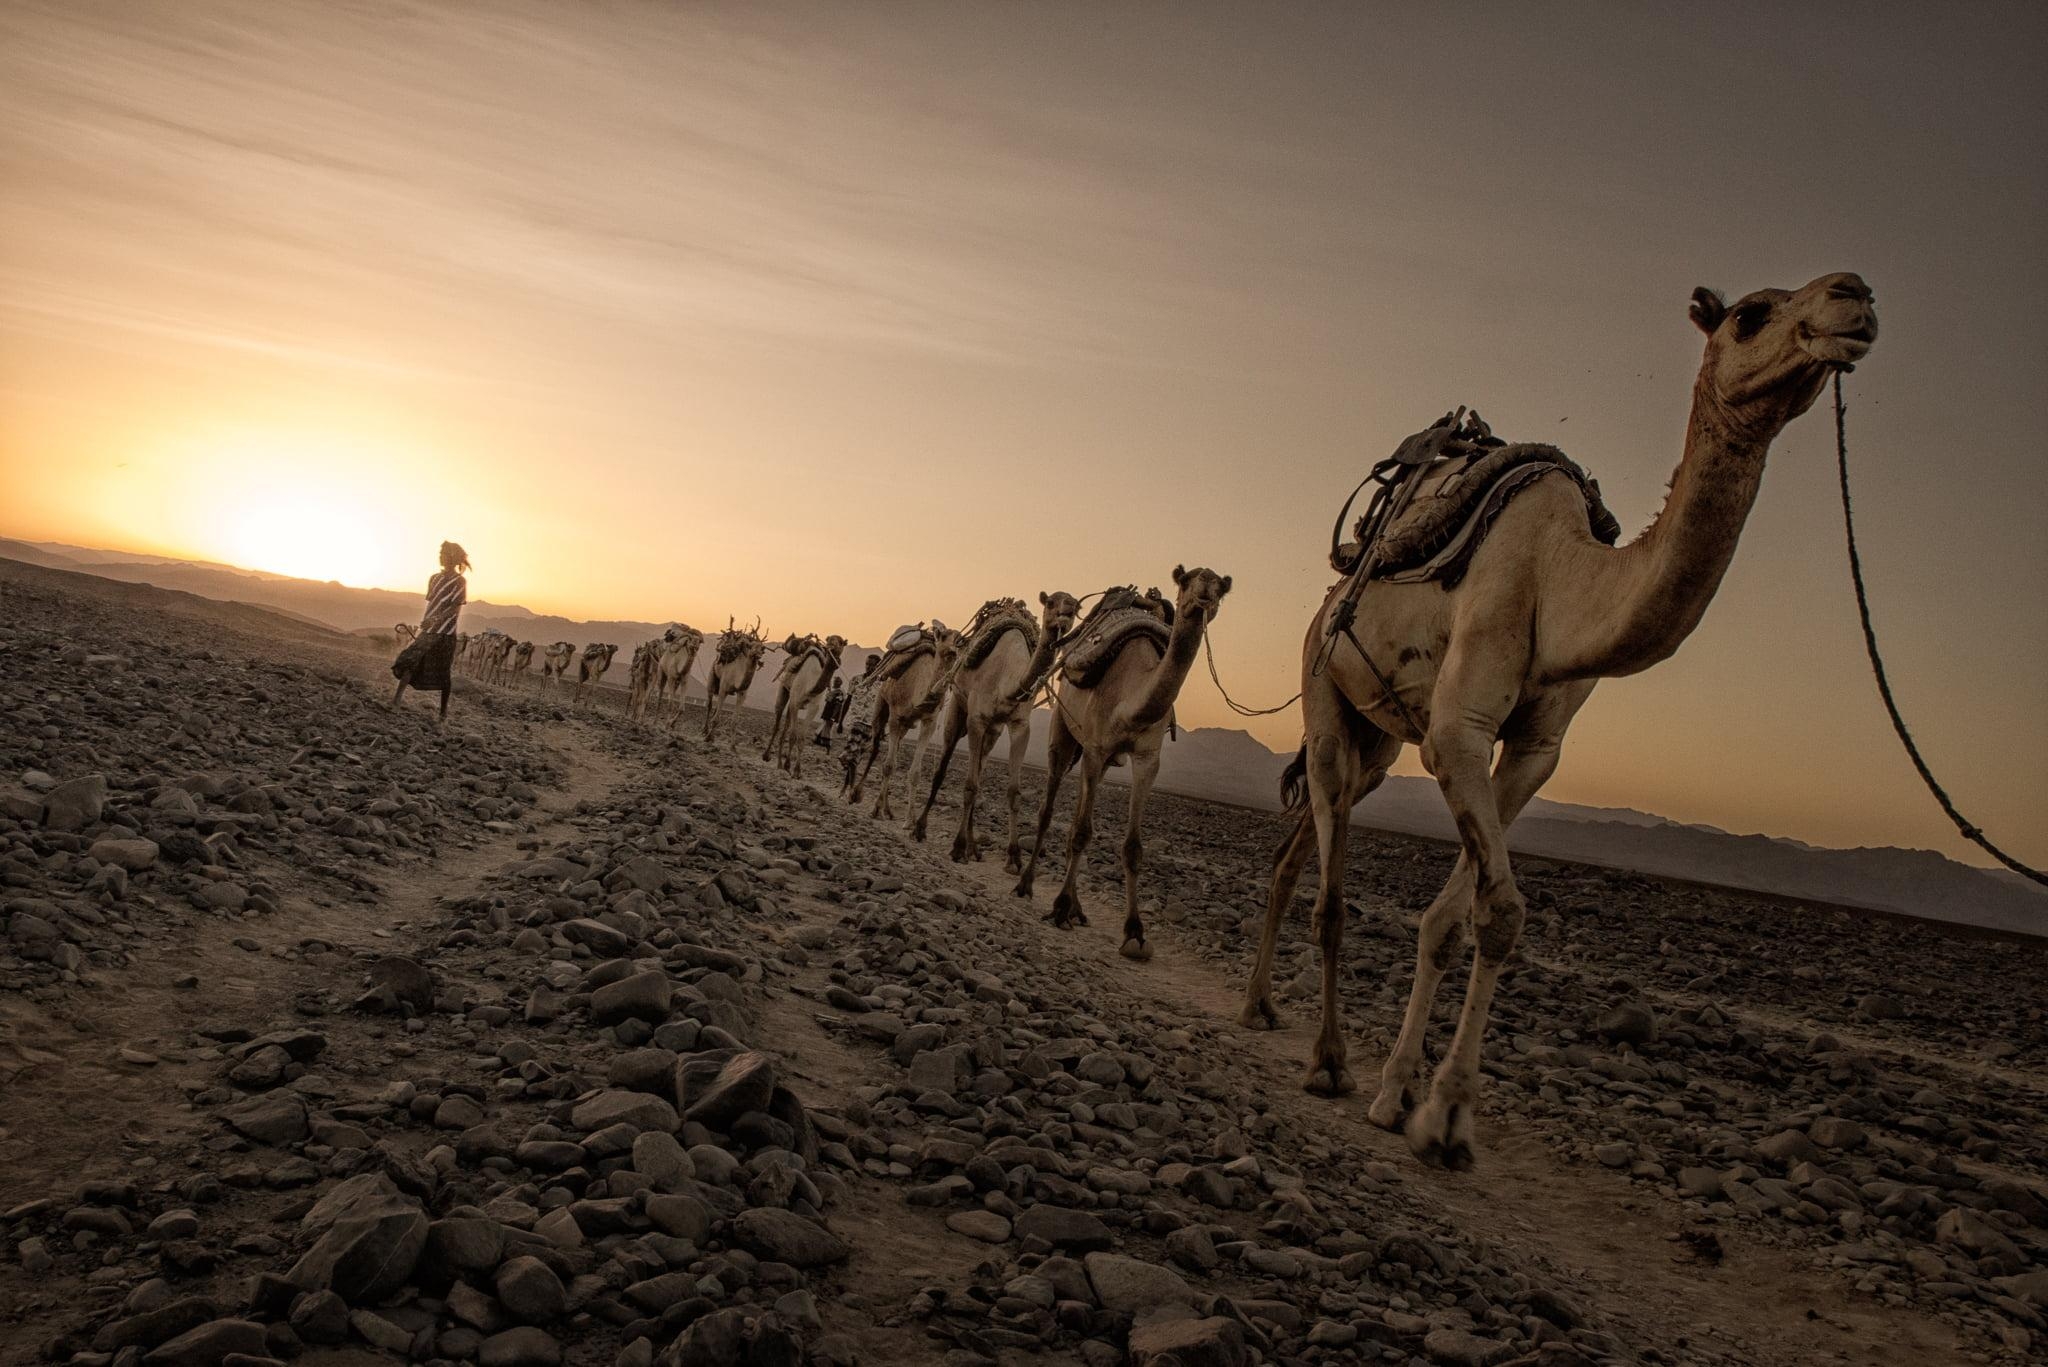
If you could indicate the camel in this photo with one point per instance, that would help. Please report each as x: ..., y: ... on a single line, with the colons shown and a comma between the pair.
x: 732, y: 671
x: 640, y: 677
x: 554, y: 663
x: 807, y: 668
x: 590, y: 668
x: 522, y: 660
x: 1123, y: 710
x: 679, y: 646
x: 1509, y: 655
x: 907, y: 694
x: 497, y: 655
x: 1006, y: 656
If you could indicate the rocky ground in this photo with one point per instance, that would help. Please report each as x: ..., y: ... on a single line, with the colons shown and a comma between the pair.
x: 330, y: 1035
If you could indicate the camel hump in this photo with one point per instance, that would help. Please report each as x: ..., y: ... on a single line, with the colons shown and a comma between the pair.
x: 1457, y: 501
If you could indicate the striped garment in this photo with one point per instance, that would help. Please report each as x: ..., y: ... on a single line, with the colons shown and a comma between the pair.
x: 446, y: 593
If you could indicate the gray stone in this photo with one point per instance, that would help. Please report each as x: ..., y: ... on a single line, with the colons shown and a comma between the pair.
x: 1124, y: 1283
x: 1628, y: 1023
x: 132, y: 855
x: 366, y: 1254
x: 718, y: 1095
x: 75, y: 804
x: 530, y: 1291
x: 1063, y: 1228
x: 521, y: 1347
x: 207, y: 1345
x: 273, y: 1119
x: 1213, y: 1342
x: 615, y: 1106
x: 785, y: 1237
x: 644, y: 996
x: 984, y: 1225
x: 658, y: 1156
x: 1457, y: 1348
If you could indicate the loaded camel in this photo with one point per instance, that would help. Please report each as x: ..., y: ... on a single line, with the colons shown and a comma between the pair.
x: 1116, y: 706
x: 522, y: 660
x: 807, y: 668
x: 679, y: 646
x: 554, y: 664
x: 591, y: 667
x: 907, y: 690
x: 640, y: 678
x: 1509, y: 655
x: 732, y: 670
x: 1006, y: 656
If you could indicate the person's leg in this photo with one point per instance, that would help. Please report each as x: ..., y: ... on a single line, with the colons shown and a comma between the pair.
x: 399, y: 694
x: 444, y: 704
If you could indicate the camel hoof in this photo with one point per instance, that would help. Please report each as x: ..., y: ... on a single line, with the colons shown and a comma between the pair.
x: 1013, y: 862
x: 917, y: 831
x: 1442, y: 1137
x: 1260, y: 1015
x: 959, y: 853
x: 1329, y: 1079
x: 1059, y: 919
x: 1389, y: 1110
x: 1023, y: 889
x: 1136, y: 949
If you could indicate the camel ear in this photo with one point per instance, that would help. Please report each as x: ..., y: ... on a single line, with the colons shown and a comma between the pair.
x: 1180, y: 575
x: 1708, y: 309
x: 1226, y: 586
x: 1043, y: 601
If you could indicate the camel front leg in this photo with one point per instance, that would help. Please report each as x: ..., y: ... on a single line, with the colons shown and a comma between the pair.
x: 1441, y: 1128
x: 1144, y: 769
x: 1066, y: 907
x: 1061, y: 750
x: 1258, y: 1010
x: 1439, y: 943
x: 924, y: 740
x: 1020, y: 735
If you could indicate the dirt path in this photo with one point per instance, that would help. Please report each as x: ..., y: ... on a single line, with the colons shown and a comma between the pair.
x: 1620, y: 1244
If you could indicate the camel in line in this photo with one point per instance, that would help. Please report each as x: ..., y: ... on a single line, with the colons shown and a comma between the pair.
x: 679, y: 646
x: 1120, y: 707
x: 807, y: 667
x: 1006, y: 657
x: 554, y: 664
x: 1509, y: 656
x: 591, y: 667
x: 907, y: 694
x: 640, y: 679
x: 732, y: 671
x: 498, y: 654
x: 522, y: 660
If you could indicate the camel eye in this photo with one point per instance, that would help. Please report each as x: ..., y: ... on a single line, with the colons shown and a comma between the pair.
x: 1749, y: 318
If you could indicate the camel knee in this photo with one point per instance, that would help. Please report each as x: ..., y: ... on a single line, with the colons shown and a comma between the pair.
x: 1496, y: 928
x: 1134, y: 846
x: 1443, y: 947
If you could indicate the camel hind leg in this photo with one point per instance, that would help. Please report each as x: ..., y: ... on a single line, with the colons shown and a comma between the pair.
x: 1258, y: 1010
x: 950, y: 737
x: 1020, y: 735
x: 1066, y: 905
x: 967, y: 840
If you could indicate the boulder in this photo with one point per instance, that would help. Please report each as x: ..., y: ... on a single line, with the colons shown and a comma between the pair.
x: 75, y: 804
x: 1132, y: 1284
x: 785, y: 1237
x: 616, y: 1106
x: 132, y: 855
x: 1213, y: 1342
x: 716, y: 1094
x: 270, y: 1119
x: 209, y: 1345
x: 1063, y: 1228
x: 644, y: 996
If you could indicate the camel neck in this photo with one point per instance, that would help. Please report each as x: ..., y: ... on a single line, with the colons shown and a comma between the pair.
x: 1163, y: 686
x: 1648, y: 596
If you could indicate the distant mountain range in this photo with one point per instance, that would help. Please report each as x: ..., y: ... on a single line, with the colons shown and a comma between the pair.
x: 1230, y: 766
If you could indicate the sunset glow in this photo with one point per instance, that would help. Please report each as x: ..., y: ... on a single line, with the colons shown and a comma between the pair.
x: 671, y: 313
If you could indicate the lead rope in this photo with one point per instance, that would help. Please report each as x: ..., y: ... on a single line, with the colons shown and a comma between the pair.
x: 1884, y: 688
x: 1235, y: 705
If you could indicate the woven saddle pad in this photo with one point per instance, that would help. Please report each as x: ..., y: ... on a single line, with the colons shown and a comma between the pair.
x: 1103, y: 638
x: 1455, y: 506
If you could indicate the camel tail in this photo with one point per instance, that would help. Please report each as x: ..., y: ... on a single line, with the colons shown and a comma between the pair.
x: 1294, y: 781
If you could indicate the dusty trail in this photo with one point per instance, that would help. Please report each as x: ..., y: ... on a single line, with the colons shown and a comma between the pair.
x: 1620, y: 1246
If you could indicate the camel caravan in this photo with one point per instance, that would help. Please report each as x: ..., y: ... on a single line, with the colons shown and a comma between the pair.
x: 1481, y: 596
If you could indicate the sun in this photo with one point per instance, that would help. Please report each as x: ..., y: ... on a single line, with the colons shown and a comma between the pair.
x: 307, y: 533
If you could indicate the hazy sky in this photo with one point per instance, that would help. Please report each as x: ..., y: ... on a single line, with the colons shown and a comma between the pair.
x: 853, y: 314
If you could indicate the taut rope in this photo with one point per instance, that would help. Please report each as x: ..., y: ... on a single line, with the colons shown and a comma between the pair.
x: 1884, y: 688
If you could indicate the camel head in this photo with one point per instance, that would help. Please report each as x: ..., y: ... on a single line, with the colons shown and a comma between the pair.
x: 1770, y: 353
x: 1058, y: 611
x: 1201, y: 592
x: 948, y: 643
x: 789, y: 644
x: 835, y: 646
